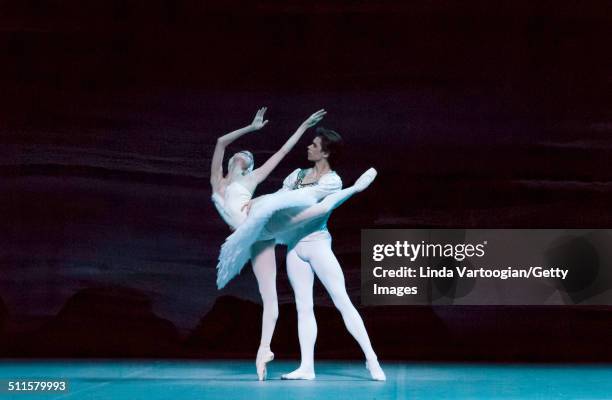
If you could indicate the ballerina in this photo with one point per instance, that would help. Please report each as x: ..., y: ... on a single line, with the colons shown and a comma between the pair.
x: 293, y: 216
x: 232, y: 192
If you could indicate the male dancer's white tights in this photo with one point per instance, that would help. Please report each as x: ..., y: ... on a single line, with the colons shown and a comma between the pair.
x: 305, y: 260
x: 264, y: 261
x: 302, y: 260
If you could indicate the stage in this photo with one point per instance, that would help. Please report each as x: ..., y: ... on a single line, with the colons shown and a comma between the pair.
x: 235, y: 379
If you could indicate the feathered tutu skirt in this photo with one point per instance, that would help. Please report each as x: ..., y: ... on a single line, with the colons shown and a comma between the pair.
x: 236, y: 250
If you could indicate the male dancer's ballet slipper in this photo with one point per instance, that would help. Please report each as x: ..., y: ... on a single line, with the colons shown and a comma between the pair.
x: 376, y: 371
x: 365, y: 179
x: 299, y: 374
x: 264, y: 356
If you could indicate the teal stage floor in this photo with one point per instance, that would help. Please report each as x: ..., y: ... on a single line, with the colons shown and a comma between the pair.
x: 178, y: 379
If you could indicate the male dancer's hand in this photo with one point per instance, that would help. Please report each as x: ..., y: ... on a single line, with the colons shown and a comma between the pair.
x: 247, y: 206
x: 314, y: 119
x: 258, y: 121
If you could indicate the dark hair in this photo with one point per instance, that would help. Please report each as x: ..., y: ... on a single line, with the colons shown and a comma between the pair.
x: 331, y: 142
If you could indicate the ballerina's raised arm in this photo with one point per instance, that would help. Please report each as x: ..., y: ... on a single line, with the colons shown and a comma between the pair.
x: 261, y: 173
x: 216, y: 169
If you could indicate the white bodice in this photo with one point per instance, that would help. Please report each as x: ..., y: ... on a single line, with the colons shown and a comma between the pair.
x: 230, y: 206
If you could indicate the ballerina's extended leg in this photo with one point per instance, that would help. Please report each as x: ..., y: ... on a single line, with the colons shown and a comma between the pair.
x: 334, y: 200
x: 286, y: 221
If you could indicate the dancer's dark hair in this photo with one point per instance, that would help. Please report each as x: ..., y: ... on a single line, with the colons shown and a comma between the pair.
x: 332, y: 143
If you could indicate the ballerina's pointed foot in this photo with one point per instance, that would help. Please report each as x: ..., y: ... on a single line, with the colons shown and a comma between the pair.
x: 376, y: 371
x: 365, y: 179
x: 303, y: 374
x: 264, y: 356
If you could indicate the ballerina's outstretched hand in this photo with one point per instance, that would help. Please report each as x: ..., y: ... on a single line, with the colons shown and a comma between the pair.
x: 258, y: 121
x: 314, y: 118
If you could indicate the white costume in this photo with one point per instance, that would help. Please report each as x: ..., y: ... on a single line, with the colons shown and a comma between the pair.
x: 236, y: 195
x: 310, y: 253
x: 282, y: 216
x: 252, y: 241
x: 230, y: 206
x: 265, y: 221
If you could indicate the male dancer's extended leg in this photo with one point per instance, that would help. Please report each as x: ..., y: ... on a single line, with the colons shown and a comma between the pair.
x: 301, y: 278
x: 264, y: 267
x: 328, y: 270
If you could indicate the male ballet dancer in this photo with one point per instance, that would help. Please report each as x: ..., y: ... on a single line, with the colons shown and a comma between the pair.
x: 296, y: 225
x: 310, y: 253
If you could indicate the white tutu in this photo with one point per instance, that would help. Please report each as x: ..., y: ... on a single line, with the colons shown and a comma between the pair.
x: 236, y: 251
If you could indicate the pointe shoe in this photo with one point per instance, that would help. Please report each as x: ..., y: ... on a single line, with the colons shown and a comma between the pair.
x: 264, y: 356
x: 365, y: 179
x: 376, y: 371
x: 299, y: 374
